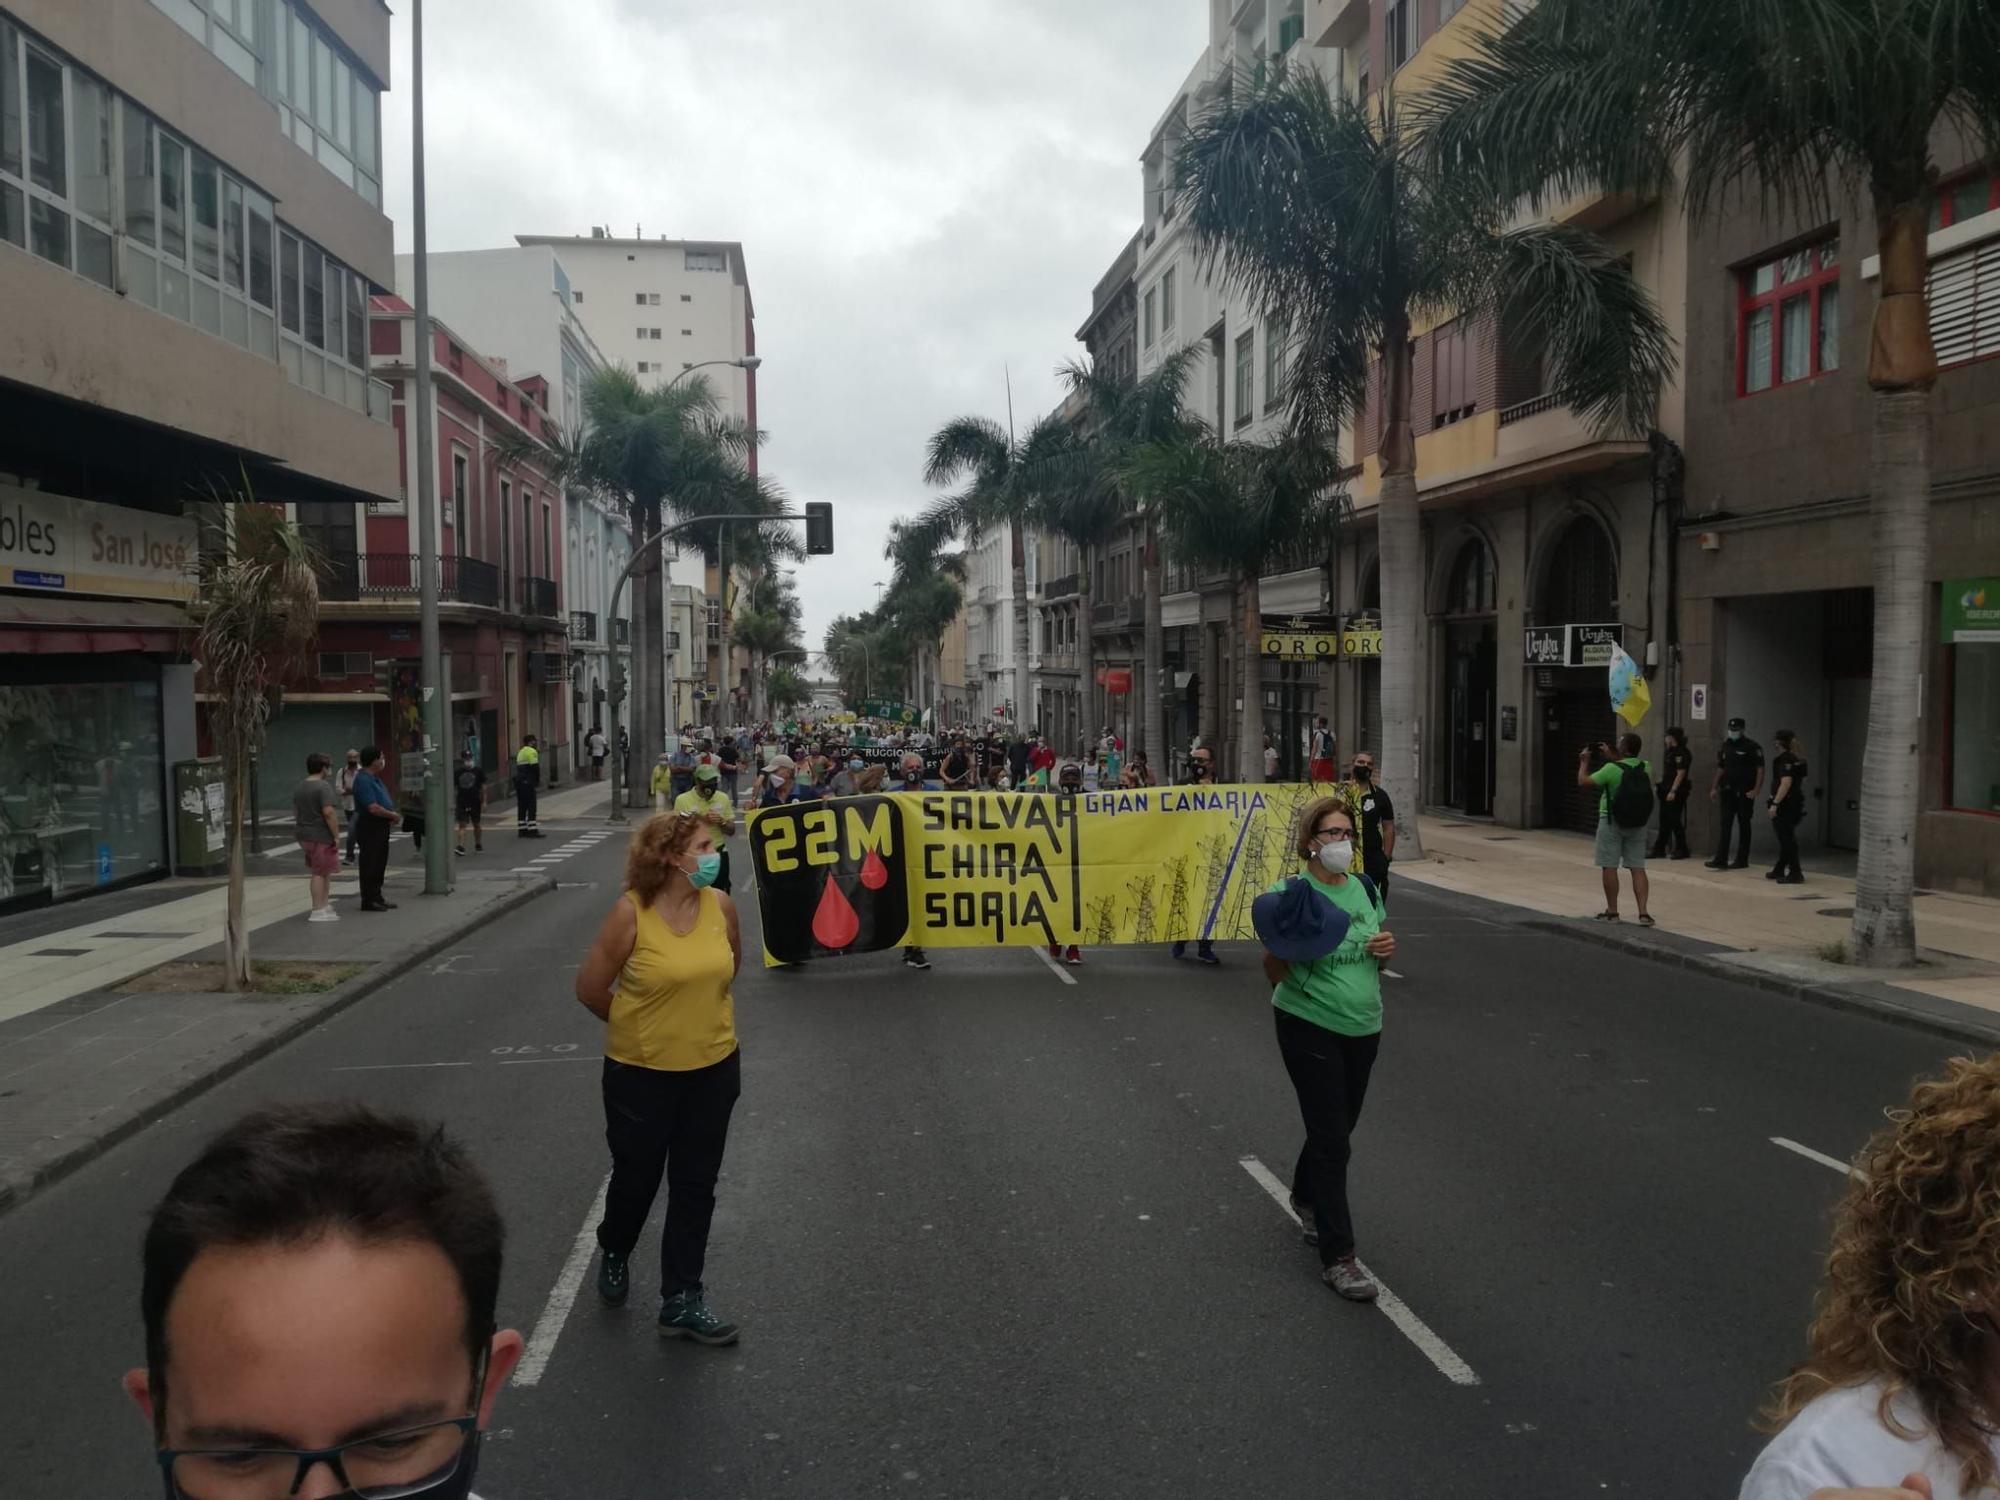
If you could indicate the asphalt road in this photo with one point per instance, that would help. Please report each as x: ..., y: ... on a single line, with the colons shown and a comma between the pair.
x: 993, y: 1234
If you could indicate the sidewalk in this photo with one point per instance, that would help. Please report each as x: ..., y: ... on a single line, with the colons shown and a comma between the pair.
x: 1731, y: 922
x: 82, y: 1067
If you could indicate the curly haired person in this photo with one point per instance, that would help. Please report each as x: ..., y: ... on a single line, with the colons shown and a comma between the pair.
x: 1900, y: 1388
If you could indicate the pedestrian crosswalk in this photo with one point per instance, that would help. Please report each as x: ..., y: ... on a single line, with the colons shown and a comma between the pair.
x: 589, y: 839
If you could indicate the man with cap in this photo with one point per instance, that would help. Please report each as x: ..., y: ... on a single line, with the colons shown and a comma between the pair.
x: 1739, y: 773
x: 705, y: 800
x: 1324, y: 946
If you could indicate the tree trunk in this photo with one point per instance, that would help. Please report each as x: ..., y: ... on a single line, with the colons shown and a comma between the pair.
x: 725, y: 687
x: 1251, y: 657
x: 1151, y: 734
x: 1086, y: 717
x: 1402, y: 569
x: 1022, y: 716
x: 235, y: 931
x: 1902, y: 368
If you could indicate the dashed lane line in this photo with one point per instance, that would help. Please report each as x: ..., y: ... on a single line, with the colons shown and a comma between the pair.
x: 1060, y: 972
x: 1844, y: 1168
x: 1412, y: 1327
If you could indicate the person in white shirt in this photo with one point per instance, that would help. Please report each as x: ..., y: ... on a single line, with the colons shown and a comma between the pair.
x: 1897, y: 1394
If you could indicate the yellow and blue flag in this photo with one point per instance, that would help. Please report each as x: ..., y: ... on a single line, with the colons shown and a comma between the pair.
x: 1630, y: 697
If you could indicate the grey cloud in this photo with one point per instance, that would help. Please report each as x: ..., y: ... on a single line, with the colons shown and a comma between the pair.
x: 926, y: 193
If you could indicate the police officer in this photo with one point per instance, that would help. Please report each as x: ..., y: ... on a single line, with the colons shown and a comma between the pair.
x: 1739, y: 774
x: 1788, y: 806
x: 527, y: 784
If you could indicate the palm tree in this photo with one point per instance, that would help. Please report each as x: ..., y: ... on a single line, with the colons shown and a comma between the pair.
x: 1239, y: 507
x: 256, y: 619
x: 987, y: 457
x: 1776, y: 100
x: 786, y: 690
x: 1327, y: 212
x: 859, y: 647
x: 1123, y: 417
x: 926, y: 591
x: 768, y: 624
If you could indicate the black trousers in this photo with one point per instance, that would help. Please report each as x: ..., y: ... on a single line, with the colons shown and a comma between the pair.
x: 1735, y: 812
x: 1377, y: 870
x: 1673, y: 832
x: 677, y: 1124
x: 373, y: 832
x: 1329, y: 1073
x: 1787, y: 829
x: 524, y: 804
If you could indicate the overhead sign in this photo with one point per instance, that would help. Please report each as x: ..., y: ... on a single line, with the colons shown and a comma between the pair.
x: 1114, y: 680
x: 1971, y: 611
x: 1572, y: 645
x: 1301, y: 637
x: 1361, y: 642
x: 888, y: 708
x: 70, y: 546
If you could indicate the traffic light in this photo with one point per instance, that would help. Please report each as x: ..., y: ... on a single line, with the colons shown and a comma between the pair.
x: 819, y: 528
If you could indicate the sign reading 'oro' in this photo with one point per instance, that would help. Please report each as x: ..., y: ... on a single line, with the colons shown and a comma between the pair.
x: 53, y: 543
x: 980, y: 869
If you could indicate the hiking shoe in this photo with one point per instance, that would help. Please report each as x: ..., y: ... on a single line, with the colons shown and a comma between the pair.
x: 614, y: 1278
x: 685, y: 1315
x: 1074, y: 957
x: 914, y: 957
x: 1350, y: 1279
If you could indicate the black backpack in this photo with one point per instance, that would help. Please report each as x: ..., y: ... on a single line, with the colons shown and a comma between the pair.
x: 1632, y: 798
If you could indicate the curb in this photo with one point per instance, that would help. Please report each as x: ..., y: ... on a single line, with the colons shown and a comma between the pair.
x: 21, y: 1185
x: 1874, y: 998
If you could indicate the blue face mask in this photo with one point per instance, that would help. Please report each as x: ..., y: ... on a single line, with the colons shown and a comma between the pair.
x: 706, y: 868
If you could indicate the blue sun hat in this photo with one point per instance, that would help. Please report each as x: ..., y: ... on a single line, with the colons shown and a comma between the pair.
x: 1297, y: 924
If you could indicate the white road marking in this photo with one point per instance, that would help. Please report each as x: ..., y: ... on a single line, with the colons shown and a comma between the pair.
x: 507, y: 1062
x: 386, y: 1067
x: 1412, y: 1327
x: 562, y: 1296
x: 1392, y: 974
x: 1060, y: 972
x: 1844, y: 1168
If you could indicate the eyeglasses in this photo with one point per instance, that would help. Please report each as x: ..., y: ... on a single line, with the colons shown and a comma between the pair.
x: 388, y: 1466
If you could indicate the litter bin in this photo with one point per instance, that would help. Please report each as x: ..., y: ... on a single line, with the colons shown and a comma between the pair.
x: 201, y: 844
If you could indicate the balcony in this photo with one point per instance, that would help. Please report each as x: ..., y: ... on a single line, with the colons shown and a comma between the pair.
x: 1520, y: 411
x: 1118, y: 614
x: 989, y: 593
x: 1060, y: 588
x: 538, y: 597
x: 1336, y: 23
x: 367, y: 576
x: 582, y: 625
x: 989, y: 661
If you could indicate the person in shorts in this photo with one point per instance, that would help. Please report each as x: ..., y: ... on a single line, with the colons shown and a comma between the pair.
x: 316, y: 816
x: 1618, y: 845
x: 468, y: 783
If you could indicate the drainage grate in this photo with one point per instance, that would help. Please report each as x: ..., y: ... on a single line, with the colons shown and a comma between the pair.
x: 59, y: 952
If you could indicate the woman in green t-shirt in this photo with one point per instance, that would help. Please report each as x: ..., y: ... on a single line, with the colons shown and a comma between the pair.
x: 1327, y: 997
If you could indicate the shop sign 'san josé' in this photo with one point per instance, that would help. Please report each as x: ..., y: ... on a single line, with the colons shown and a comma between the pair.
x: 66, y: 546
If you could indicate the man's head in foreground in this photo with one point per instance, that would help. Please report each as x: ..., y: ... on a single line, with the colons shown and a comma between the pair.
x: 319, y: 1298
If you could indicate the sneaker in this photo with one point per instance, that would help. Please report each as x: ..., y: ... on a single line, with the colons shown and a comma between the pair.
x: 1074, y: 957
x: 685, y: 1315
x: 914, y: 957
x: 1055, y: 950
x: 323, y: 914
x: 1206, y: 955
x: 1350, y: 1279
x: 614, y: 1278
x: 458, y: 848
x: 1180, y: 950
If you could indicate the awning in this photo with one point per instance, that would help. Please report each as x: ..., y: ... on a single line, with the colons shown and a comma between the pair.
x: 58, y: 625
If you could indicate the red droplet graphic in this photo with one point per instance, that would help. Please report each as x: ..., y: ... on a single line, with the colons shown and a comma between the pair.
x: 874, y: 874
x: 835, y: 924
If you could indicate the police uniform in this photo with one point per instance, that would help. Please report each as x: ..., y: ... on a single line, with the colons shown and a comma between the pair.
x: 1788, y: 814
x: 1741, y: 762
x: 527, y: 783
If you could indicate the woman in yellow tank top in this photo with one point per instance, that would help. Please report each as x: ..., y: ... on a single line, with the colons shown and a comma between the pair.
x: 659, y: 976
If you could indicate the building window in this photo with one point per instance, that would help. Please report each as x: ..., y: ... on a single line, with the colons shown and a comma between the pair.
x: 706, y: 260
x: 685, y: 297
x: 1788, y: 319
x: 1246, y: 376
x: 1399, y: 31
x: 1167, y: 303
x: 1451, y: 374
x: 645, y: 368
x: 1152, y: 309
x: 326, y: 103
x: 1965, y: 198
x: 576, y: 296
x: 687, y: 333
x: 1965, y: 304
x: 461, y: 468
x: 1975, y: 726
x: 1277, y: 337
x: 655, y: 333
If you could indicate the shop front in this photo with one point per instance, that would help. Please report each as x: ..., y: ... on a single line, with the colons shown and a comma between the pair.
x: 1958, y: 846
x: 1298, y: 652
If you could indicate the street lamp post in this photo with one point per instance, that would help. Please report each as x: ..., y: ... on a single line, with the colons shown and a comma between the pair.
x: 616, y: 696
x: 431, y: 684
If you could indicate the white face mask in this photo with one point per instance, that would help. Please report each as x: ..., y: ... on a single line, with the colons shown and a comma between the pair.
x: 1338, y: 855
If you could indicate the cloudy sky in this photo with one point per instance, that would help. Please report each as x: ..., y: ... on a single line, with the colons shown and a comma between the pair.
x: 926, y: 191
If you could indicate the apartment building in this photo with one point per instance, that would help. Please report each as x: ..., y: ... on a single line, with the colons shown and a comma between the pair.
x: 515, y: 304
x: 190, y: 229
x: 990, y: 655
x: 1238, y: 389
x: 662, y: 308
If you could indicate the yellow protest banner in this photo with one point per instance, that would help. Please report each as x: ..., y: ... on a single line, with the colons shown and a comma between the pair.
x: 986, y: 869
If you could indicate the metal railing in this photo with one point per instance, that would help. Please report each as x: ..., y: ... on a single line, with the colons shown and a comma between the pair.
x: 538, y: 597
x: 398, y: 575
x: 582, y: 625
x: 1522, y: 410
x: 1060, y: 588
